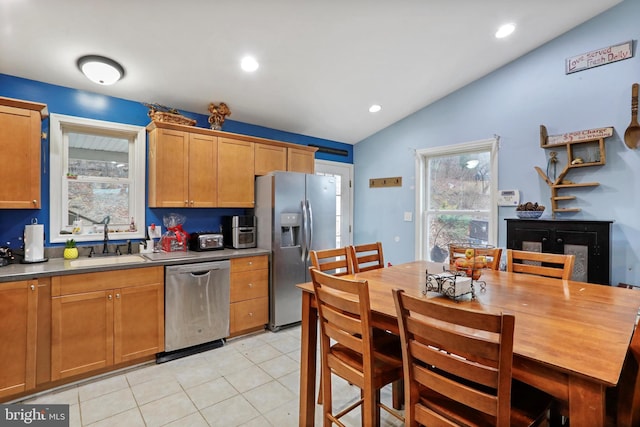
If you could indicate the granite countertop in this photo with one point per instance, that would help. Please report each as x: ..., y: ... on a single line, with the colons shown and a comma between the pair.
x: 61, y: 266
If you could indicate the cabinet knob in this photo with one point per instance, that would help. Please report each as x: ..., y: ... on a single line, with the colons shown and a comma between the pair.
x: 250, y: 262
x: 118, y: 296
x: 33, y: 287
x: 559, y: 240
x: 544, y: 239
x: 192, y: 203
x: 250, y: 314
x: 250, y: 285
x: 35, y: 202
x: 109, y: 297
x: 186, y: 203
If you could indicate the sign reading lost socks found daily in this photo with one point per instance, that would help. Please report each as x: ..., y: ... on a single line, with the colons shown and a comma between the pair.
x: 598, y: 57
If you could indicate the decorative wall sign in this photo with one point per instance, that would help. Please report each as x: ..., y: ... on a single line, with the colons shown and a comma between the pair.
x: 580, y: 135
x: 598, y: 57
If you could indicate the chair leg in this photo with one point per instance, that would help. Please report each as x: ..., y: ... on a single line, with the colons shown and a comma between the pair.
x: 397, y: 393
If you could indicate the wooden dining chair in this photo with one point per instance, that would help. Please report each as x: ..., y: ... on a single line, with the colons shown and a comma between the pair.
x: 540, y: 264
x: 366, y: 257
x: 356, y: 356
x: 336, y: 261
x: 458, y: 365
x: 493, y: 255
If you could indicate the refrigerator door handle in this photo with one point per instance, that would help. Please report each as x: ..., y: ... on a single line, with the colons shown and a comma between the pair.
x: 303, y: 246
x: 310, y: 219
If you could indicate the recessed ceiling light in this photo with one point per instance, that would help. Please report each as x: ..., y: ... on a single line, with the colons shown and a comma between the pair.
x: 249, y: 64
x: 101, y: 70
x: 505, y: 30
x: 375, y: 108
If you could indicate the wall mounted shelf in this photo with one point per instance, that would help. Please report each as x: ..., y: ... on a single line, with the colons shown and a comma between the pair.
x: 582, y: 151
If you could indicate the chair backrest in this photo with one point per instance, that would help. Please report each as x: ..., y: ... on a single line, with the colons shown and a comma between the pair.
x: 345, y: 317
x: 367, y: 257
x: 454, y: 355
x: 540, y: 264
x: 336, y: 261
x: 493, y: 255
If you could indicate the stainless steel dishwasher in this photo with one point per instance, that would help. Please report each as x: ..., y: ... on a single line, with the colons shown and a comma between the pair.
x: 196, y: 308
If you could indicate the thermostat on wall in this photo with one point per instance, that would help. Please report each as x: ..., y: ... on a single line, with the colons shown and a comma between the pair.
x: 508, y: 198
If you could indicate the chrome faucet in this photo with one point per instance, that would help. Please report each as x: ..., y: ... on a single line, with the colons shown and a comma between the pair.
x: 105, y: 221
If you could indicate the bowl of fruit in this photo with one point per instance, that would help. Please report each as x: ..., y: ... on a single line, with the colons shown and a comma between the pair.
x: 470, y: 264
x: 529, y: 210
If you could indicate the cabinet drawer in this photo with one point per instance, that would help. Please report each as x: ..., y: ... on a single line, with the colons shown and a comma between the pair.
x: 89, y: 282
x: 249, y: 263
x: 249, y: 314
x: 249, y: 284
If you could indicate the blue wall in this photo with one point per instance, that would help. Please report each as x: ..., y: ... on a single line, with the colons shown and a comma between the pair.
x: 79, y: 103
x: 513, y: 102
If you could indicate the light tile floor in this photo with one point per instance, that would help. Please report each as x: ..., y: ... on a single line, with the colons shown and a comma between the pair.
x: 251, y: 381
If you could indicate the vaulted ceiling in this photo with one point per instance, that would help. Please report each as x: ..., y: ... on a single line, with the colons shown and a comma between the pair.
x: 322, y: 63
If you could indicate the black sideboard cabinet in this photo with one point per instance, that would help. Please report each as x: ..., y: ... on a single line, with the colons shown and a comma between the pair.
x: 589, y: 241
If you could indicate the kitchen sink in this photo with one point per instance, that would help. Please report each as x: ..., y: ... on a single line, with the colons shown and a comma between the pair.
x: 109, y: 260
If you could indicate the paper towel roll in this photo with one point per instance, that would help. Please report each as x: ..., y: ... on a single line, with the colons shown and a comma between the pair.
x: 34, y: 242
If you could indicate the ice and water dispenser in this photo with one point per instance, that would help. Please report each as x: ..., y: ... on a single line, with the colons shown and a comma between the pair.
x: 290, y: 224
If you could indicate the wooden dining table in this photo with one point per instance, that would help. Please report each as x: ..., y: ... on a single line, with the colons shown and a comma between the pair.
x: 570, y: 339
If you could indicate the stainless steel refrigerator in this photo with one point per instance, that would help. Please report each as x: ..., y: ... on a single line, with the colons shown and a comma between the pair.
x: 296, y: 213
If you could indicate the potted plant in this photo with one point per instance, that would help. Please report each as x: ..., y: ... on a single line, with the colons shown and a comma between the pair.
x: 70, y: 249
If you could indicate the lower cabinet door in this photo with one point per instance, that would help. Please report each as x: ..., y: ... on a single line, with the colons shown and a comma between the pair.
x: 138, y: 322
x: 82, y: 333
x: 18, y: 311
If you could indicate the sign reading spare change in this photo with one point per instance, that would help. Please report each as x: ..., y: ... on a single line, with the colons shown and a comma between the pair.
x: 598, y: 57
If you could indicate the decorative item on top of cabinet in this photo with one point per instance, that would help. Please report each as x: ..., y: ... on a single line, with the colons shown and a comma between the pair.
x: 18, y: 311
x: 160, y: 113
x: 249, y: 294
x: 21, y: 125
x: 218, y: 114
x: 584, y: 148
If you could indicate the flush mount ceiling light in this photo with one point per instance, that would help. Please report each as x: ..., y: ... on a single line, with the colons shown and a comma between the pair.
x: 505, y: 30
x: 100, y: 69
x: 375, y: 108
x: 249, y: 64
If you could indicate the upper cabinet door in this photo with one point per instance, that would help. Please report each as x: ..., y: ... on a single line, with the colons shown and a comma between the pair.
x: 203, y: 173
x: 235, y: 173
x: 20, y: 160
x: 299, y: 160
x: 168, y: 168
x: 270, y: 158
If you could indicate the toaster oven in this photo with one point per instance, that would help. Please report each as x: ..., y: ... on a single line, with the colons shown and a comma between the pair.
x: 239, y: 231
x: 206, y: 241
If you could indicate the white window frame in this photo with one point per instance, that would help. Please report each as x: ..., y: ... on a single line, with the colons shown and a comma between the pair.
x: 422, y: 157
x: 59, y: 124
x: 345, y: 170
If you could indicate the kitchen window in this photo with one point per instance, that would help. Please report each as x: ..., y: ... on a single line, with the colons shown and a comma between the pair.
x: 456, y: 197
x: 97, y: 176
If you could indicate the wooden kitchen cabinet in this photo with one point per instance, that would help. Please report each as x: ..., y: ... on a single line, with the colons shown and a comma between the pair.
x: 18, y: 335
x: 249, y: 295
x: 20, y: 130
x: 236, y: 173
x: 300, y: 160
x: 96, y: 325
x: 182, y: 169
x: 270, y: 158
